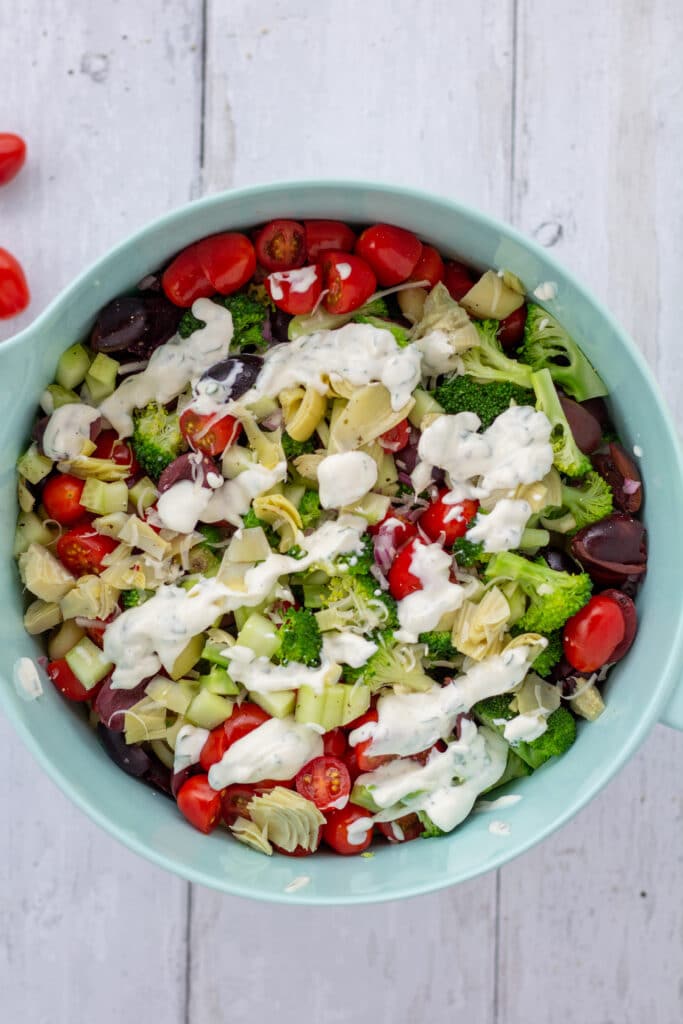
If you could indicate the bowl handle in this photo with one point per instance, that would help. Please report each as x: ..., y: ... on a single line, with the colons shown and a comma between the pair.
x: 673, y: 712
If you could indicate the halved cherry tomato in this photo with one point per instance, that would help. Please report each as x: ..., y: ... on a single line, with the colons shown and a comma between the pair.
x: 227, y: 260
x: 82, y: 549
x: 184, y: 280
x: 391, y: 252
x: 325, y: 781
x: 200, y: 804
x: 360, y: 760
x: 334, y: 743
x: 347, y: 280
x: 510, y: 331
x: 62, y: 499
x: 235, y: 799
x: 14, y: 293
x: 601, y: 633
x: 109, y: 446
x: 12, y: 156
x: 97, y: 628
x: 407, y: 828
x: 402, y: 581
x: 281, y: 245
x: 322, y: 235
x: 396, y: 439
x: 208, y: 434
x: 444, y: 522
x: 395, y: 528
x: 295, y: 291
x: 67, y: 683
x: 243, y: 720
x: 341, y: 836
x: 458, y: 278
x: 429, y: 267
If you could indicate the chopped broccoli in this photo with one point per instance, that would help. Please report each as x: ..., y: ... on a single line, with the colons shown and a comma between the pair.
x: 555, y: 741
x: 487, y: 361
x: 249, y: 314
x: 589, y: 501
x: 309, y: 508
x: 293, y: 449
x: 549, y: 657
x: 157, y: 440
x: 400, y: 333
x: 548, y: 346
x: 308, y: 323
x: 300, y: 637
x: 213, y: 535
x: 567, y: 455
x: 439, y: 645
x: 469, y: 552
x: 515, y: 768
x: 189, y: 323
x: 392, y: 663
x: 430, y: 829
x: 374, y: 307
x: 553, y: 597
x: 462, y: 393
x: 133, y: 598
x: 357, y: 602
x: 358, y: 564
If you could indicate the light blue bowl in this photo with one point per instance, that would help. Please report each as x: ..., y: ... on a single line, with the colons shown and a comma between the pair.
x: 639, y: 690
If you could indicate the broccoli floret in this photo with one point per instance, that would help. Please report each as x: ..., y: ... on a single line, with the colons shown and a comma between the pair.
x: 157, y: 440
x: 469, y: 552
x: 492, y: 710
x: 133, y: 598
x: 567, y: 455
x: 462, y: 393
x: 515, y: 768
x: 300, y: 638
x: 375, y: 307
x: 249, y: 314
x: 548, y: 346
x: 189, y: 323
x: 439, y: 645
x: 393, y: 663
x: 359, y: 602
x: 549, y: 657
x: 430, y: 829
x: 309, y: 508
x: 213, y: 535
x: 358, y: 564
x: 555, y: 741
x: 293, y: 449
x: 487, y: 361
x: 400, y: 333
x: 589, y: 501
x: 553, y: 597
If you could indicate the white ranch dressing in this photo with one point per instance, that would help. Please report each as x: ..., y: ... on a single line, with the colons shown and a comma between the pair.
x: 67, y: 430
x: 172, y: 366
x: 260, y: 675
x: 526, y: 727
x: 502, y: 528
x: 345, y: 477
x: 27, y: 680
x: 437, y: 353
x: 141, y: 640
x: 347, y: 648
x: 421, y: 610
x: 499, y: 828
x: 483, y: 806
x: 182, y: 505
x: 232, y: 500
x: 278, y: 749
x: 188, y: 746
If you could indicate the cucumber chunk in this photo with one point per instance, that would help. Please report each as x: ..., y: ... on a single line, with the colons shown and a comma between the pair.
x: 208, y: 710
x: 278, y: 704
x: 174, y: 696
x: 217, y: 680
x: 188, y: 657
x: 88, y: 663
x: 104, y: 499
x: 260, y: 635
x: 34, y: 466
x: 72, y: 367
x: 101, y: 377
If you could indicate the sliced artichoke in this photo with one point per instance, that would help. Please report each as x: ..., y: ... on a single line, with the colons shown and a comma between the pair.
x: 287, y: 819
x: 44, y: 575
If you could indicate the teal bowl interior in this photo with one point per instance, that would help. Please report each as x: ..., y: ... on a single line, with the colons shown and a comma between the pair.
x: 638, y: 688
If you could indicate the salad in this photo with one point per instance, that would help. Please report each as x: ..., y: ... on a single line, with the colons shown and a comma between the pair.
x: 329, y: 534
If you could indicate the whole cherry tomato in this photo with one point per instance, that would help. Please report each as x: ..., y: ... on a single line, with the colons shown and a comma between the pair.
x: 14, y: 293
x: 69, y: 684
x: 349, y: 830
x: 402, y: 581
x: 62, y: 499
x: 401, y: 830
x: 458, y: 278
x: 429, y: 267
x: 227, y: 260
x: 334, y: 743
x: 200, y: 804
x: 243, y: 720
x: 109, y: 446
x: 12, y: 156
x: 327, y: 234
x: 391, y: 252
x: 601, y: 633
x: 184, y: 280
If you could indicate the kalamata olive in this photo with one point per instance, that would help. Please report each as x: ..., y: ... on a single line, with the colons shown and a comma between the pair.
x: 131, y: 758
x: 559, y: 560
x: 179, y: 778
x: 511, y: 330
x: 597, y: 407
x: 406, y: 460
x: 193, y: 466
x: 620, y: 471
x: 630, y: 585
x: 38, y: 431
x: 234, y: 376
x: 135, y: 324
x: 612, y: 549
x: 562, y: 671
x: 585, y: 429
x: 111, y: 704
x: 278, y: 322
x: 628, y: 610
x: 158, y: 776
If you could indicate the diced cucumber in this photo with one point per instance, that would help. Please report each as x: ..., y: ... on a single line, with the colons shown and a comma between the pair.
x: 72, y: 366
x: 278, y: 704
x: 217, y: 680
x: 260, y: 635
x: 101, y: 377
x: 362, y: 796
x: 241, y: 615
x: 357, y: 701
x: 174, y: 696
x: 54, y: 396
x: 188, y: 657
x: 34, y: 466
x: 309, y: 706
x: 424, y: 404
x: 104, y: 499
x: 314, y: 594
x: 143, y: 494
x: 333, y: 706
x: 88, y: 663
x: 208, y: 710
x: 213, y: 652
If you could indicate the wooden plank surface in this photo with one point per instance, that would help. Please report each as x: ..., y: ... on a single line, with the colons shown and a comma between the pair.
x: 568, y: 120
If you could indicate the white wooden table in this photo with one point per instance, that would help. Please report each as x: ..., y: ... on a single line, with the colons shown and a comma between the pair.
x: 565, y: 118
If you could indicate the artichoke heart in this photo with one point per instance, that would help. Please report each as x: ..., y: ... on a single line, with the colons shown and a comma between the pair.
x: 251, y: 835
x: 479, y: 627
x: 282, y: 516
x: 85, y: 467
x: 287, y: 819
x: 492, y: 297
x: 44, y: 575
x: 92, y: 597
x: 367, y: 415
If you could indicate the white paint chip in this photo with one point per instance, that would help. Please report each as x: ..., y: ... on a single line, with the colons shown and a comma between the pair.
x: 297, y: 883
x: 499, y: 828
x: 26, y: 679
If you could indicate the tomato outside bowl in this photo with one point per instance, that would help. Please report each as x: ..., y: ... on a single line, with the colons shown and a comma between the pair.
x: 640, y: 690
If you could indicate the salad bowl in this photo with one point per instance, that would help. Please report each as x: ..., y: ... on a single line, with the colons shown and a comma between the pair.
x: 642, y: 690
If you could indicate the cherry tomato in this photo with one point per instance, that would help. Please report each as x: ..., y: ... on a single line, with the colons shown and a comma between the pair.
x: 510, y: 331
x: 391, y: 252
x: 407, y: 828
x: 184, y: 280
x: 348, y: 281
x: 458, y: 278
x: 334, y: 743
x: 395, y: 528
x: 445, y: 523
x: 62, y: 499
x: 82, y: 549
x: 14, y: 293
x: 595, y: 635
x: 235, y: 799
x: 97, y: 628
x: 325, y: 781
x: 227, y: 260
x: 12, y: 156
x: 401, y: 580
x: 281, y: 245
x: 295, y: 291
x: 327, y: 234
x: 109, y: 446
x: 243, y: 720
x: 429, y: 267
x: 67, y: 683
x: 361, y: 761
x: 200, y: 804
x: 207, y: 434
x: 396, y: 439
x: 343, y: 839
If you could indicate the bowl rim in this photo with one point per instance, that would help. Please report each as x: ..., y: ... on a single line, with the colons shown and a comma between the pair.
x: 599, y: 777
